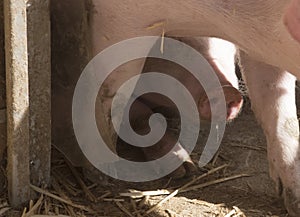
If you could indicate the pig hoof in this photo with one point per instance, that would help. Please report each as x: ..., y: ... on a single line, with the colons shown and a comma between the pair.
x: 291, y: 202
x: 178, y: 154
x: 186, y: 169
x: 190, y: 167
x: 180, y: 172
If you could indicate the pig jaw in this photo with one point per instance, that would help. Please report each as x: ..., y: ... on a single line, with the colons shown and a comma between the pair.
x: 234, y: 102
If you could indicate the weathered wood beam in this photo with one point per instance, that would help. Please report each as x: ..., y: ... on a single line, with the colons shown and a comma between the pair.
x: 38, y: 26
x: 17, y: 93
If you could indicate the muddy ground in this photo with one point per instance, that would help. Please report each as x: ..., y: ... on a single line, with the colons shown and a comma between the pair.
x: 243, y: 149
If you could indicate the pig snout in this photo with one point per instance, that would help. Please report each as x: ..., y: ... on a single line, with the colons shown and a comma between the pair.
x: 233, y: 99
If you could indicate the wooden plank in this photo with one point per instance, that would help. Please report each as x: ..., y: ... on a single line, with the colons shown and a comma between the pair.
x: 38, y: 23
x: 2, y: 87
x: 15, y: 22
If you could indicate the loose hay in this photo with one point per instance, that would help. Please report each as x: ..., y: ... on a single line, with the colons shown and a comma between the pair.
x: 62, y: 199
x: 68, y: 195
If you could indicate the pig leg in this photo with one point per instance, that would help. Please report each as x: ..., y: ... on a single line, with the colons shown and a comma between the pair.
x: 272, y: 94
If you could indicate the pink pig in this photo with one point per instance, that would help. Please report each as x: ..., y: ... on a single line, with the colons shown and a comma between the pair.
x: 267, y: 34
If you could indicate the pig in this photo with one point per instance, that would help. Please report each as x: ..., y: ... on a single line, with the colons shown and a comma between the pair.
x: 292, y: 19
x: 221, y: 56
x: 266, y: 33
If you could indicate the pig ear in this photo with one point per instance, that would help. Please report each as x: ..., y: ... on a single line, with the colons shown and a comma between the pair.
x: 292, y: 19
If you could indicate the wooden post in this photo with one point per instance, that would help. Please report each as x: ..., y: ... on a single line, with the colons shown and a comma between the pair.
x: 38, y: 23
x: 28, y: 85
x: 18, y: 174
x: 3, y: 123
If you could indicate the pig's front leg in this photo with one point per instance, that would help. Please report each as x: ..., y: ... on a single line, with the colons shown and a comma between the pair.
x: 272, y: 94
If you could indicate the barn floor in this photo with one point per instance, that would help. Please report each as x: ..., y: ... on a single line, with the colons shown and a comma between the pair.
x: 243, y: 150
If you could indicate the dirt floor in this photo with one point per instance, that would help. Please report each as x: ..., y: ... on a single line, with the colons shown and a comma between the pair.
x: 242, y: 159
